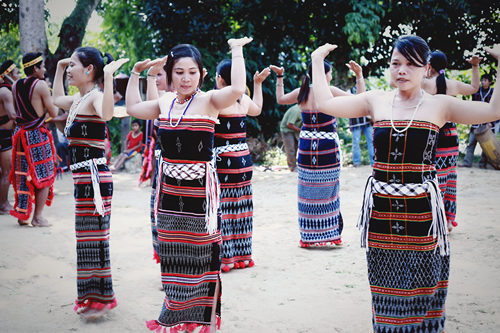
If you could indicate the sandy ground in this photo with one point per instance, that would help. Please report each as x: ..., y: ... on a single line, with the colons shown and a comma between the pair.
x: 289, y: 290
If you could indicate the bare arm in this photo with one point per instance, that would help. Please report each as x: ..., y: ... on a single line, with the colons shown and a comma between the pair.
x: 343, y: 106
x: 43, y: 89
x: 105, y: 105
x: 281, y: 97
x: 360, y: 80
x: 8, y: 103
x: 469, y: 112
x: 59, y: 98
x: 151, y: 89
x: 227, y: 96
x: 135, y: 106
x: 256, y: 104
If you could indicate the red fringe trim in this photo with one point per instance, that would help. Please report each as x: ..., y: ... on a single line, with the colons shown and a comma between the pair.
x: 305, y: 245
x: 155, y: 326
x: 32, y: 182
x: 156, y: 256
x: 94, y: 304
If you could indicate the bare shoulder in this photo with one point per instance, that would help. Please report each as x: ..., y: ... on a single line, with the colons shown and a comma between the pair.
x: 41, y: 87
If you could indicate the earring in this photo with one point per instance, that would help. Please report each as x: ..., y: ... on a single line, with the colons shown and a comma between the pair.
x: 87, y: 73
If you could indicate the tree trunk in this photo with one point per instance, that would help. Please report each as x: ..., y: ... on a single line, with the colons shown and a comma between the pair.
x: 32, y: 26
x: 71, y: 33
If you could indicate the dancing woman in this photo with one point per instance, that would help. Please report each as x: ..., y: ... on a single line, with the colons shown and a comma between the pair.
x: 187, y: 198
x: 403, y: 221
x: 85, y: 129
x: 447, y: 145
x: 234, y: 168
x: 319, y: 162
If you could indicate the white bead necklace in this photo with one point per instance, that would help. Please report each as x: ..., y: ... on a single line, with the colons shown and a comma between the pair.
x: 406, y: 107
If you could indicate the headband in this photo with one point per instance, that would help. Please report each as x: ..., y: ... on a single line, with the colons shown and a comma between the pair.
x: 33, y: 62
x: 7, y: 71
x: 441, y: 71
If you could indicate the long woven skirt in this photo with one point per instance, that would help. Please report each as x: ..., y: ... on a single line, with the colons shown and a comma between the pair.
x: 408, y: 277
x: 190, y: 258
x: 446, y: 167
x: 237, y: 222
x: 320, y: 220
x: 94, y: 282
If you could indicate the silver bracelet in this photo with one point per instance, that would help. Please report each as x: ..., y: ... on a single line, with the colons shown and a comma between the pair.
x: 360, y: 79
x: 280, y: 85
x: 132, y: 72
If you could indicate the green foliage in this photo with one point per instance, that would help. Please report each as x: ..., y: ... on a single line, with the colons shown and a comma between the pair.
x: 9, y: 15
x: 10, y: 46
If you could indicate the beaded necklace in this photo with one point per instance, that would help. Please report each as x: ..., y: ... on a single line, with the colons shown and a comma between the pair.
x: 406, y: 107
x: 190, y: 99
x: 73, y: 111
x: 184, y: 100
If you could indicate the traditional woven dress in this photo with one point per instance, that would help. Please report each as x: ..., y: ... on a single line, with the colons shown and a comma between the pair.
x: 404, y: 230
x: 154, y: 232
x: 446, y: 167
x: 234, y: 167
x: 188, y: 224
x: 319, y: 162
x: 93, y: 193
x: 33, y: 159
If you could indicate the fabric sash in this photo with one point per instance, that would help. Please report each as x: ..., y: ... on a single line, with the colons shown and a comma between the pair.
x: 191, y: 171
x: 439, y: 221
x: 229, y: 148
x: 94, y: 174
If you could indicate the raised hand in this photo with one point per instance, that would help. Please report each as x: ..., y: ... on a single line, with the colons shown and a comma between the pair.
x: 474, y: 60
x: 260, y: 77
x: 323, y: 51
x: 494, y: 51
x: 353, y: 66
x: 156, y: 65
x: 277, y: 70
x: 239, y: 41
x: 64, y: 62
x: 113, y: 66
x: 141, y: 65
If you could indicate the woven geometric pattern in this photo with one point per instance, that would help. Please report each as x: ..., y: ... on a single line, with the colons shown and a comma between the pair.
x: 234, y: 168
x: 408, y: 277
x: 94, y: 280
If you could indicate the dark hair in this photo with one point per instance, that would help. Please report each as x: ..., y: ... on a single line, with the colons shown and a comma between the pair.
x: 183, y: 51
x: 92, y: 56
x: 307, y: 80
x: 27, y: 58
x: 439, y: 62
x: 136, y: 121
x: 487, y: 76
x: 6, y: 64
x: 224, y: 70
x: 413, y: 48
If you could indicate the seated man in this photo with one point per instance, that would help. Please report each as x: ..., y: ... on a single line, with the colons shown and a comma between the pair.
x: 133, y: 144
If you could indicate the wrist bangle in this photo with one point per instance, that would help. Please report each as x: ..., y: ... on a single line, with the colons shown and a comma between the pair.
x: 280, y: 85
x: 475, y: 65
x: 362, y: 79
x: 237, y: 56
x: 279, y: 76
x: 150, y: 75
x: 132, y: 72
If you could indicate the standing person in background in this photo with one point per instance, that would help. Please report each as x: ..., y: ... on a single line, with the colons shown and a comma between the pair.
x: 89, y: 110
x: 34, y: 170
x: 482, y: 95
x: 290, y: 130
x: 319, y: 162
x: 234, y: 169
x: 9, y: 74
x: 447, y: 145
x: 361, y: 125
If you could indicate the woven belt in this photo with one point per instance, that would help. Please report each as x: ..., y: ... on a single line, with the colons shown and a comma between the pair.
x: 191, y: 171
x: 94, y: 175
x: 229, y: 148
x: 439, y: 221
x: 318, y: 135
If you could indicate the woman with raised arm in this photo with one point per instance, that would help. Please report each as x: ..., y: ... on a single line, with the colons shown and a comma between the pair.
x: 320, y: 159
x: 447, y: 145
x: 187, y: 199
x: 85, y: 128
x: 403, y: 221
x: 234, y: 168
